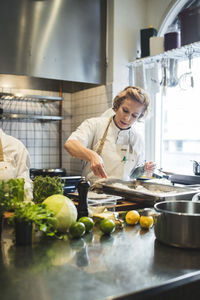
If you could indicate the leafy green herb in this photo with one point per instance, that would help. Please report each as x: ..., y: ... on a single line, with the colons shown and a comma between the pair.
x: 11, y: 192
x: 44, y: 187
x: 37, y: 213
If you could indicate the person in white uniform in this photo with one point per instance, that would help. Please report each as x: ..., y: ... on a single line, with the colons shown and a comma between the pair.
x: 110, y: 145
x: 14, y: 160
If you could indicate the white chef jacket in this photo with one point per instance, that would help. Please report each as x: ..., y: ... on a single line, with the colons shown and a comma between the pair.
x: 16, y: 162
x: 90, y: 132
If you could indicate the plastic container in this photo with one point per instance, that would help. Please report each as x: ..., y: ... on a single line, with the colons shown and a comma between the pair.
x: 189, y: 19
x: 145, y: 35
x: 172, y: 38
x: 156, y: 45
x: 101, y: 204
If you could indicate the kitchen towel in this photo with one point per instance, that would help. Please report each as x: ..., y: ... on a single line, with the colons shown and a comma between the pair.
x: 139, y: 76
x: 152, y: 78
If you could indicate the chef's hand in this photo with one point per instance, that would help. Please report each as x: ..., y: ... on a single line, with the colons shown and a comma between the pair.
x: 97, y: 166
x: 149, y: 168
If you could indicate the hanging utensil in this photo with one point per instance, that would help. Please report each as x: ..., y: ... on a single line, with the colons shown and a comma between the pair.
x: 165, y: 68
x: 186, y: 80
x: 165, y: 79
x: 173, y: 70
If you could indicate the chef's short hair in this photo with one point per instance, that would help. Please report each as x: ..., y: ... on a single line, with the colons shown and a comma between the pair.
x: 136, y: 94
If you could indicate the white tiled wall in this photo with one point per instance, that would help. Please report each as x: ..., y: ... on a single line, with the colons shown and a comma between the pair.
x: 42, y: 138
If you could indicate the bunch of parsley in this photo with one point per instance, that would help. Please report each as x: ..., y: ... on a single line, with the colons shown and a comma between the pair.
x: 35, y: 213
x: 11, y: 192
x: 44, y: 187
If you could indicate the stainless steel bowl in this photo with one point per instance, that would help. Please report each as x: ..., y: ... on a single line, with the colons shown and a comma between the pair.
x: 178, y: 223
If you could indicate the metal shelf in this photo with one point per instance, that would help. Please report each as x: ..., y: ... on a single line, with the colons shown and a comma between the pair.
x: 182, y: 53
x: 22, y: 117
x: 30, y: 98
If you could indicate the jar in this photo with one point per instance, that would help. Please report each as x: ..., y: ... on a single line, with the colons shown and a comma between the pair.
x: 172, y: 38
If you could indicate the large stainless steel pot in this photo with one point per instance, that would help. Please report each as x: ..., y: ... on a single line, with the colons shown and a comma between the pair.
x: 178, y: 223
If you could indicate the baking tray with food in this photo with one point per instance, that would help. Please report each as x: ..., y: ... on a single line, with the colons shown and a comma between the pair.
x: 138, y: 191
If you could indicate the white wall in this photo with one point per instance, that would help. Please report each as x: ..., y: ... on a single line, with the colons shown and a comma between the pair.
x: 157, y: 10
x: 128, y: 17
x: 124, y: 21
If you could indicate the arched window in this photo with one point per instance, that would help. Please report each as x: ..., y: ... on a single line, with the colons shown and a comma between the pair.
x: 177, y: 108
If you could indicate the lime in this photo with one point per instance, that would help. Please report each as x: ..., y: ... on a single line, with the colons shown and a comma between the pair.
x: 88, y: 222
x: 77, y: 230
x: 107, y: 226
x: 146, y: 222
x: 132, y: 217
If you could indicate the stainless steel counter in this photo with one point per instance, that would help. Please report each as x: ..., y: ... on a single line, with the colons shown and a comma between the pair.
x: 130, y: 261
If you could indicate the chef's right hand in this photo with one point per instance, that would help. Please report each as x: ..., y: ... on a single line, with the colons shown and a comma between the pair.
x: 97, y: 166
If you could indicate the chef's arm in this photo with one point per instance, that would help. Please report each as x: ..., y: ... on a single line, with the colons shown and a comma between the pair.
x: 77, y: 149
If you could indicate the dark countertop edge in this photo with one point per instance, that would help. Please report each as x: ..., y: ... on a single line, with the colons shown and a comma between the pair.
x: 149, y: 293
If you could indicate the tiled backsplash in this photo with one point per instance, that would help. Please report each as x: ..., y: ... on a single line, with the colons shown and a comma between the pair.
x: 42, y: 138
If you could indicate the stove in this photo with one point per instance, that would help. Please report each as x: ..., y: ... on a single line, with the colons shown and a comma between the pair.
x: 70, y: 183
x: 184, y: 179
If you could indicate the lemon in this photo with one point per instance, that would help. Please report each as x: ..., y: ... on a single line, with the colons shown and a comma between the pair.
x: 107, y: 226
x: 77, y: 229
x: 132, y: 217
x: 88, y: 222
x: 146, y: 222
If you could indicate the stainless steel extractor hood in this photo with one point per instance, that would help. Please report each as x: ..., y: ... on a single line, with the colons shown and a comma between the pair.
x: 54, y: 39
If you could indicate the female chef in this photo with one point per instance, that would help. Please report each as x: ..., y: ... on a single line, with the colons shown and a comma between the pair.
x: 14, y: 160
x: 110, y: 146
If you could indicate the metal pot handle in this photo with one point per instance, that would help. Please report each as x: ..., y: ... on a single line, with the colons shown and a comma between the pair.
x: 196, y: 197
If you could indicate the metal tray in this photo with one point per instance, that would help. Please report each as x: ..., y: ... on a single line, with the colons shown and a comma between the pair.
x: 130, y: 190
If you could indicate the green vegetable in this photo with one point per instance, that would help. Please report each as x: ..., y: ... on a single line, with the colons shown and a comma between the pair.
x: 64, y: 209
x: 77, y: 229
x: 88, y: 222
x: 36, y: 213
x: 11, y: 192
x: 44, y: 187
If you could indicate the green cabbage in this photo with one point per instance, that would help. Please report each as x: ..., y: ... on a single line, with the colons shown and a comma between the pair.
x: 64, y: 209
